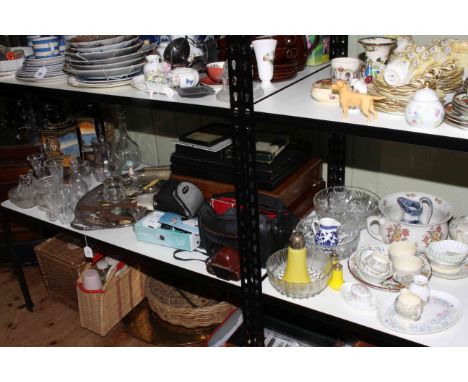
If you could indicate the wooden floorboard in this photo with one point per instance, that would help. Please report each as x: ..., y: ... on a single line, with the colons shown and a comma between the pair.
x: 52, y: 323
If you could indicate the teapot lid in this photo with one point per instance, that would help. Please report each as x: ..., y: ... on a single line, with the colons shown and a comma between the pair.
x: 426, y: 94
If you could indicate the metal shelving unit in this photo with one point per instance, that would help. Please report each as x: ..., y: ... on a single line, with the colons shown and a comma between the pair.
x: 243, y: 117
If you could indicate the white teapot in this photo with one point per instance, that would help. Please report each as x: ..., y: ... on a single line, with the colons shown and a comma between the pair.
x: 425, y: 109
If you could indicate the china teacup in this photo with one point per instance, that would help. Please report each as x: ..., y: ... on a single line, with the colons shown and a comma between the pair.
x: 345, y: 68
x: 400, y: 249
x: 406, y: 268
x: 378, y: 263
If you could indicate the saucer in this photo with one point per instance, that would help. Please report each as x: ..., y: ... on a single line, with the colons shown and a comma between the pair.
x: 441, y: 312
x: 389, y: 284
x: 350, y: 299
x: 207, y: 81
x: 461, y: 274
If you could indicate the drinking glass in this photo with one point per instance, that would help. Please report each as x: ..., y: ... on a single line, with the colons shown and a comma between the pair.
x: 36, y: 161
x: 114, y: 189
x: 50, y: 202
x: 55, y: 167
x: 43, y: 186
x: 66, y: 205
x: 25, y: 187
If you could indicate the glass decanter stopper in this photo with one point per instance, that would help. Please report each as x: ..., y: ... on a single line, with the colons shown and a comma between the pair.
x: 126, y: 153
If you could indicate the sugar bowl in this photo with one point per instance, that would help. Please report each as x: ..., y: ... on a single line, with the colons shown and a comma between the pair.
x: 425, y: 109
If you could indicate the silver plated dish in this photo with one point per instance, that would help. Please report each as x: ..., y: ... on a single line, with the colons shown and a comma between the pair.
x: 92, y: 212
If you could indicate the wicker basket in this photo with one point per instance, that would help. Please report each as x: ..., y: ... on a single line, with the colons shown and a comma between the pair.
x: 183, y: 308
x: 61, y: 260
x: 101, y: 310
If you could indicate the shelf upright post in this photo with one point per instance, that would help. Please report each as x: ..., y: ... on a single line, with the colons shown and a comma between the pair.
x: 337, y: 142
x: 241, y: 95
x: 18, y: 266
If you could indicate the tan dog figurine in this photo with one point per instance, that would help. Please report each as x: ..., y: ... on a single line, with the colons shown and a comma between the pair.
x: 349, y: 99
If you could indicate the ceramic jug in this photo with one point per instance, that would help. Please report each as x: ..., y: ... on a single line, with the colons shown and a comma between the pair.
x: 326, y: 231
x: 408, y: 305
x: 411, y: 210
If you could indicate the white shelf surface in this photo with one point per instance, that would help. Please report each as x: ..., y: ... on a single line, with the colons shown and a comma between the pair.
x: 125, y: 238
x: 330, y: 302
x: 295, y: 101
x: 129, y: 91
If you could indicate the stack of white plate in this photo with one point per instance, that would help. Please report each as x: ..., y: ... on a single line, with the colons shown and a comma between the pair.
x: 41, y: 69
x: 101, y: 61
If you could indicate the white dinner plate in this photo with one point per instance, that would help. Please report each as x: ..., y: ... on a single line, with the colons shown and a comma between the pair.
x: 128, y: 41
x: 83, y: 83
x: 121, y: 64
x: 144, y: 51
x: 101, y: 40
x: 106, y: 54
x: 106, y: 73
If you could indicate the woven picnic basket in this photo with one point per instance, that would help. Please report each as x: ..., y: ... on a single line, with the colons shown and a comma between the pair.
x: 183, y: 308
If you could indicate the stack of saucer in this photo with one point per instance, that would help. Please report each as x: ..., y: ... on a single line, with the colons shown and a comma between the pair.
x: 281, y: 72
x: 41, y: 69
x: 456, y: 112
x: 102, y: 61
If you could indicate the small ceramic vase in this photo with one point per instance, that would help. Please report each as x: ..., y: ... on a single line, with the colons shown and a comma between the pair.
x: 326, y: 232
x: 425, y: 109
x: 377, y: 51
x: 265, y: 55
x: 408, y: 305
x: 153, y: 70
x: 420, y: 286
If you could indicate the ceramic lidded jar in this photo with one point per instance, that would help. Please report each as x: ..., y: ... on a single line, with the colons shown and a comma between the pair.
x: 425, y: 109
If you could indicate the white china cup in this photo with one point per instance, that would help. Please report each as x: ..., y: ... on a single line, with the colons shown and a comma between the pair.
x: 265, y: 56
x: 406, y: 267
x: 345, y: 68
x: 400, y: 249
